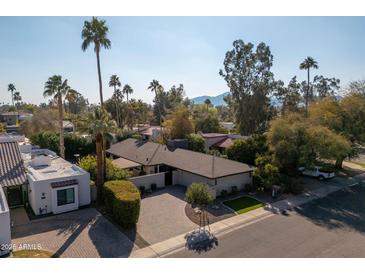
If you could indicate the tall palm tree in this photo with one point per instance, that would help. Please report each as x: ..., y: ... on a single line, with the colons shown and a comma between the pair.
x: 17, y: 97
x: 115, y: 83
x: 157, y: 88
x: 128, y: 90
x: 12, y: 88
x: 98, y: 123
x: 96, y: 32
x: 307, y: 64
x: 58, y: 89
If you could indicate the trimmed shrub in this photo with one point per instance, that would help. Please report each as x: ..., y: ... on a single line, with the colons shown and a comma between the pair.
x: 122, y: 200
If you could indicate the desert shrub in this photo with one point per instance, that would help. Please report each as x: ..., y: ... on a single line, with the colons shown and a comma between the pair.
x: 122, y: 200
x: 88, y: 163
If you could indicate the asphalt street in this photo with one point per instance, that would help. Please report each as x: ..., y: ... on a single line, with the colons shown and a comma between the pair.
x: 333, y: 226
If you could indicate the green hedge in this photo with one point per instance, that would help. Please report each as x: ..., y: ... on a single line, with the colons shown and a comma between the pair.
x: 122, y: 200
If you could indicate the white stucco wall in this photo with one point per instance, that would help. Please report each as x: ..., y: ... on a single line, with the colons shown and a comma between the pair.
x: 239, y: 180
x: 186, y: 178
x: 40, y: 192
x: 147, y: 180
x: 5, y: 236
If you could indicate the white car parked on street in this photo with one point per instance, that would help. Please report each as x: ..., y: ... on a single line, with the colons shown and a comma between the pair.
x: 317, y: 172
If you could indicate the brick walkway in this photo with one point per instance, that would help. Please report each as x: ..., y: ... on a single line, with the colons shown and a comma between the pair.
x: 80, y: 234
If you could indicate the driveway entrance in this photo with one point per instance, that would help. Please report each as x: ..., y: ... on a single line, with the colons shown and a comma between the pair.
x: 163, y: 215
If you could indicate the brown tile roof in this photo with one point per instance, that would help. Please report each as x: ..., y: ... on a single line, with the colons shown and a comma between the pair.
x: 148, y: 153
x: 12, y: 170
x: 125, y: 163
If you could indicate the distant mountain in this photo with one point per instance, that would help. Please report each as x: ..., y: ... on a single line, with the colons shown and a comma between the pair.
x: 215, y: 100
x: 218, y: 100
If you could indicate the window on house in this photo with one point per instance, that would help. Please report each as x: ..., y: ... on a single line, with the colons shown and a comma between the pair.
x: 65, y: 196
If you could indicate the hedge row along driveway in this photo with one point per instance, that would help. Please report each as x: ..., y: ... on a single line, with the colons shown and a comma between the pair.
x: 123, y: 201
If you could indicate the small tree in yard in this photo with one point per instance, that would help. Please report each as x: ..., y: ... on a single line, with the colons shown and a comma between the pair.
x: 198, y: 194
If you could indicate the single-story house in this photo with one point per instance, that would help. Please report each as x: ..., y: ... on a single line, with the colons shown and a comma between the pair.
x: 68, y: 126
x: 9, y: 118
x: 220, y: 141
x: 5, y: 234
x: 148, y: 133
x: 183, y: 167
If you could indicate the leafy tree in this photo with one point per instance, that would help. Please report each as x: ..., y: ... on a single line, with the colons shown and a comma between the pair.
x: 308, y: 64
x: 11, y: 88
x: 181, y: 125
x: 207, y: 123
x: 295, y: 141
x: 357, y: 87
x: 42, y: 120
x: 247, y: 73
x: 246, y: 150
x: 325, y: 87
x: 46, y: 139
x: 58, y: 89
x: 2, y: 128
x: 265, y: 174
x: 196, y: 142
x: 88, y: 163
x: 289, y: 96
x: 198, y: 194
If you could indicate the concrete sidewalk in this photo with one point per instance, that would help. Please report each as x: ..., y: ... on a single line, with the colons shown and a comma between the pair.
x: 164, y: 248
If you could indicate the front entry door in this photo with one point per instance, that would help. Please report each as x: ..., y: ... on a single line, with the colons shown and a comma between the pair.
x: 15, y: 196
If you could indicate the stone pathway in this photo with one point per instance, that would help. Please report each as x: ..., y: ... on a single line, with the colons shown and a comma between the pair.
x: 83, y: 233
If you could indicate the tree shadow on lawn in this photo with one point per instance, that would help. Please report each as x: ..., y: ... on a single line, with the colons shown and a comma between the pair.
x: 344, y: 209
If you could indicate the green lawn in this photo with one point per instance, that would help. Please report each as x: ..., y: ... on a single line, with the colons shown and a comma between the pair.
x: 33, y: 254
x: 243, y: 204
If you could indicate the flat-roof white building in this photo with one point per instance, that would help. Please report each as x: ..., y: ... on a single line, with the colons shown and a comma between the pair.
x: 55, y: 185
x: 5, y: 238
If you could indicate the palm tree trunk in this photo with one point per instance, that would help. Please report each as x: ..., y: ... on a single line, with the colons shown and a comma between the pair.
x: 60, y: 112
x: 12, y: 98
x: 100, y: 81
x: 307, y: 98
x: 99, y: 167
x: 102, y: 108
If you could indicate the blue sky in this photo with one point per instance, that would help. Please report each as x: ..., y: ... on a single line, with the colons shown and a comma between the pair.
x: 173, y: 50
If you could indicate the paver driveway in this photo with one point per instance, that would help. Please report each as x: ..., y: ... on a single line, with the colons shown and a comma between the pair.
x: 163, y: 215
x: 83, y: 233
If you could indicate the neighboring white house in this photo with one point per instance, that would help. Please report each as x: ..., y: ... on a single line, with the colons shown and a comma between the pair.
x: 5, y: 237
x: 55, y: 185
x: 166, y: 166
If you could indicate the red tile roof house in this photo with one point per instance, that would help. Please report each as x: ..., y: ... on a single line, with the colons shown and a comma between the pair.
x: 165, y: 166
x: 220, y: 141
